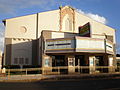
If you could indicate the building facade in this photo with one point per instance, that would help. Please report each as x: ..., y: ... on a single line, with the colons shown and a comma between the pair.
x: 62, y: 37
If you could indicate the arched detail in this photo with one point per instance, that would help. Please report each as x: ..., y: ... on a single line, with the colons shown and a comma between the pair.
x: 67, y: 19
x: 67, y: 23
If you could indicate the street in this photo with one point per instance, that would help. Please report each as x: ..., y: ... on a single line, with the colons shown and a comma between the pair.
x: 79, y: 84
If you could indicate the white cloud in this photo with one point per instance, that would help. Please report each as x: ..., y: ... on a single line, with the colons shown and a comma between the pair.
x: 96, y: 17
x: 1, y: 36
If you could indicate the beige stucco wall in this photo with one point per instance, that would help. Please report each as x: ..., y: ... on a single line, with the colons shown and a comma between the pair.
x: 48, y: 21
x: 21, y: 44
x: 13, y: 27
x: 96, y: 27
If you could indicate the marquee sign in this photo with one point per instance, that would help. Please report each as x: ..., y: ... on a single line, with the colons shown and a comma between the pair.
x: 85, y: 30
x: 78, y: 44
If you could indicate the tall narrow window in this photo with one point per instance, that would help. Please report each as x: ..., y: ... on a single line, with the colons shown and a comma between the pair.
x: 26, y: 61
x: 15, y: 60
x: 67, y: 24
x: 47, y: 63
x: 21, y: 60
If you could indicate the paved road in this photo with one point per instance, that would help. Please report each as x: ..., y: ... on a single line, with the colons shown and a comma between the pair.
x: 96, y: 84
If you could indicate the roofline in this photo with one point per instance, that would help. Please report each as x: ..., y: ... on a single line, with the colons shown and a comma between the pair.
x: 95, y: 20
x: 28, y: 14
x: 4, y: 21
x: 62, y: 7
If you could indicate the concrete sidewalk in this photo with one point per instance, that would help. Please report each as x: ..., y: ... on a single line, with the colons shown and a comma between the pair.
x: 38, y: 77
x: 21, y: 78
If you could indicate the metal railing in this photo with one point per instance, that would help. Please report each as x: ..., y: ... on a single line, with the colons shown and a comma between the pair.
x: 64, y: 70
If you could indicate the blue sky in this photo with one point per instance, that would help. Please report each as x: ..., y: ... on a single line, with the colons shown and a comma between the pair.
x: 104, y: 11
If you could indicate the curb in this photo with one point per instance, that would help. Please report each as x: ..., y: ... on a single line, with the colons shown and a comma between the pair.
x: 62, y: 77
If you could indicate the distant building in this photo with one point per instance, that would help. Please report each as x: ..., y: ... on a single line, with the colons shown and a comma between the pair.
x: 118, y: 59
x: 62, y: 37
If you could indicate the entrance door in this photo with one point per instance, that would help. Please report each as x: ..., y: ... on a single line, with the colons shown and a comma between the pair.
x: 95, y: 61
x: 71, y: 64
x: 80, y: 60
x: 99, y: 61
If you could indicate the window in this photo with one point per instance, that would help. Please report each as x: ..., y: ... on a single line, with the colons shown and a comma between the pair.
x: 23, y: 29
x: 26, y: 61
x: 15, y: 60
x: 67, y: 24
x: 109, y: 37
x: 21, y: 60
x: 71, y: 61
x: 47, y: 62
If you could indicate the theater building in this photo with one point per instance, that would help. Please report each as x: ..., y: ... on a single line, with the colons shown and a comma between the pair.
x: 62, y: 37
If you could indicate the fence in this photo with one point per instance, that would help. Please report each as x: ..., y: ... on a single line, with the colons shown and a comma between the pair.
x: 64, y: 70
